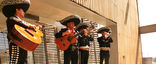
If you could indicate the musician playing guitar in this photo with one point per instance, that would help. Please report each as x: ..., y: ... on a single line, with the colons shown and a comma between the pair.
x: 71, y: 53
x: 14, y: 11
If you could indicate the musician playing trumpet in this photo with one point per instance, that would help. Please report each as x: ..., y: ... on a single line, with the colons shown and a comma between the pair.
x: 104, y: 44
x: 84, y: 42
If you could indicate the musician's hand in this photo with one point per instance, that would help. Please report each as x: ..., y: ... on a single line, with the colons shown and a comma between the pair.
x: 39, y: 27
x: 66, y: 32
x: 107, y: 34
x: 32, y: 26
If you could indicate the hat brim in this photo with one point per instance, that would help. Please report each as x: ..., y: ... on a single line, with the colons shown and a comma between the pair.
x: 9, y: 10
x: 72, y: 18
x: 82, y: 27
x: 103, y: 29
x: 75, y: 20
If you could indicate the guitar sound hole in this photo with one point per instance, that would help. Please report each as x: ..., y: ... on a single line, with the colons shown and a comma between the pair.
x: 33, y: 30
x: 69, y: 39
x: 62, y: 42
x: 29, y: 32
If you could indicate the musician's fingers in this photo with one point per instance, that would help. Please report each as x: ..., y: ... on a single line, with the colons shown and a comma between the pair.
x: 66, y: 32
x: 32, y: 26
x: 39, y: 26
x: 108, y: 34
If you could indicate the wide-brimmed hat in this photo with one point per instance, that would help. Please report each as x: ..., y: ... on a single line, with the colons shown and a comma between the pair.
x: 72, y: 18
x: 8, y: 6
x: 104, y: 29
x: 81, y: 26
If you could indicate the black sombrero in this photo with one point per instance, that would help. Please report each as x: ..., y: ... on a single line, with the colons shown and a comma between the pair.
x: 73, y: 18
x: 81, y: 26
x: 104, y: 29
x: 8, y: 6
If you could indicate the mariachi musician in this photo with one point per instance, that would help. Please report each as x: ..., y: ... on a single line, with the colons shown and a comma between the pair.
x: 14, y: 11
x: 84, y: 42
x: 71, y: 53
x: 104, y: 44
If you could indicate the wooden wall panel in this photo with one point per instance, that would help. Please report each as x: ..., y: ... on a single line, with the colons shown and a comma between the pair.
x: 124, y: 12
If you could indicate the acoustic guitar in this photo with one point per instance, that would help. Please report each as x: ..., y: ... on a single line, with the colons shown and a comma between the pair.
x: 64, y: 42
x: 28, y: 39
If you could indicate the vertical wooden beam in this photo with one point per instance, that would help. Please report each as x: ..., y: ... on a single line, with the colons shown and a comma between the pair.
x: 139, y: 51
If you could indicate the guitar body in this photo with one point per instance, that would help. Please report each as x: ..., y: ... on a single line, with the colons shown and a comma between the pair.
x: 29, y: 39
x: 63, y: 43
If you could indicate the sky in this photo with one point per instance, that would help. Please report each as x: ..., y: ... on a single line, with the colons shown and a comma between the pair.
x: 147, y: 16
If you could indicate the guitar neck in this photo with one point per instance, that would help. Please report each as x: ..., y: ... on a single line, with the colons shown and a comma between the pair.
x: 90, y: 28
x: 70, y: 38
